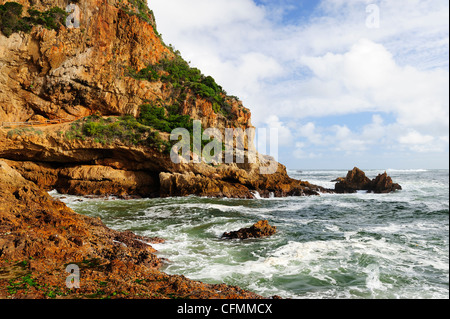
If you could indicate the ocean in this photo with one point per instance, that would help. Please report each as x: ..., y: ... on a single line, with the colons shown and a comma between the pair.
x: 332, y: 246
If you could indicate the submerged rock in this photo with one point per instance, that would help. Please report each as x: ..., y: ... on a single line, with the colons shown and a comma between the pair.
x: 357, y: 180
x: 258, y: 230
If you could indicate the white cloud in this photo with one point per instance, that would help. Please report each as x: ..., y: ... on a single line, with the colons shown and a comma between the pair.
x: 332, y: 64
x: 186, y: 16
x: 300, y: 152
x: 418, y: 142
x: 369, y: 73
x: 375, y: 131
x: 414, y: 137
x: 310, y: 132
x: 285, y: 137
x: 346, y: 140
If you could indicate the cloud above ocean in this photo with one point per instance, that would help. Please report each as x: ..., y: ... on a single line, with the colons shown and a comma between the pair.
x: 323, y: 78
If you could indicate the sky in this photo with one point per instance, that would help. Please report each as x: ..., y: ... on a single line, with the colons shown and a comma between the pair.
x: 343, y: 83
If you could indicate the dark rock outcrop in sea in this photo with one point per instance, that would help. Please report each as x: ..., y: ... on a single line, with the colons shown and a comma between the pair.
x: 384, y: 184
x: 259, y: 230
x: 356, y: 180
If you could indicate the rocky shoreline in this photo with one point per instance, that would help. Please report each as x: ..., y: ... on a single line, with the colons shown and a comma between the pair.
x: 40, y: 237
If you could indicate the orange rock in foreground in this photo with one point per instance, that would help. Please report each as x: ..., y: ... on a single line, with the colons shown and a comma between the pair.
x: 40, y: 236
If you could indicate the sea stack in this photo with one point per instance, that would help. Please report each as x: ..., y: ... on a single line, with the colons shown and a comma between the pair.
x: 356, y: 180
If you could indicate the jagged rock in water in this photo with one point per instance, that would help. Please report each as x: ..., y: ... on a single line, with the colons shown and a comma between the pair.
x: 384, y: 184
x: 357, y: 180
x: 258, y: 230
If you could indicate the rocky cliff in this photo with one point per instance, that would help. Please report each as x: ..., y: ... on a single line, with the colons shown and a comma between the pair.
x: 72, y: 72
x: 102, y: 73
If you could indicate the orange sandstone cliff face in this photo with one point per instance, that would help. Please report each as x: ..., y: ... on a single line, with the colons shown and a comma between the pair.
x: 73, y: 72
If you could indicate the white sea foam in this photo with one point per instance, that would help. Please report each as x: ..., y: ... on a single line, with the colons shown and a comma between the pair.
x: 393, y: 170
x: 256, y: 194
x: 73, y: 199
x: 301, y: 252
x: 53, y: 192
x: 373, y: 278
x: 328, y: 246
x: 322, y: 183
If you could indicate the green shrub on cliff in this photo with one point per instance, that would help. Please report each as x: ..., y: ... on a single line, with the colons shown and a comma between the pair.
x: 150, y: 73
x: 24, y: 132
x: 184, y: 79
x: 166, y: 120
x: 51, y: 19
x: 157, y: 118
x: 11, y: 19
x: 180, y: 74
x: 125, y: 129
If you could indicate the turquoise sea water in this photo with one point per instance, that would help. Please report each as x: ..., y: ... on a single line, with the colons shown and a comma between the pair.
x: 330, y: 246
